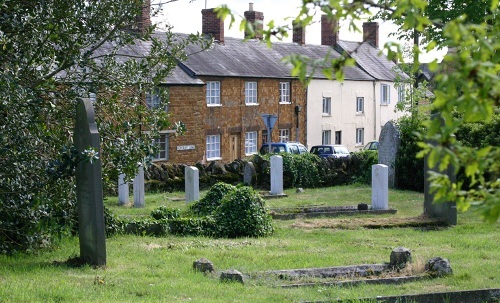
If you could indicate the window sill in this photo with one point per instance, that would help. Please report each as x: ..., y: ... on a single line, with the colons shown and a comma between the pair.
x: 251, y: 104
x: 284, y: 103
x: 360, y: 113
x: 250, y: 154
x: 326, y: 115
x: 214, y: 105
x: 384, y: 104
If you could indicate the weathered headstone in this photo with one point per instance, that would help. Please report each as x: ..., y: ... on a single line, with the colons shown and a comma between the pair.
x: 231, y: 275
x: 276, y: 175
x: 380, y: 189
x: 192, y: 183
x: 389, y: 142
x: 123, y: 191
x: 439, y: 266
x: 400, y: 256
x: 89, y: 197
x: 203, y: 265
x: 139, y: 188
x: 446, y: 211
x: 248, y: 173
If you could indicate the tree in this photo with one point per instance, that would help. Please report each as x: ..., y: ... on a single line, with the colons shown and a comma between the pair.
x: 468, y: 83
x: 54, y: 52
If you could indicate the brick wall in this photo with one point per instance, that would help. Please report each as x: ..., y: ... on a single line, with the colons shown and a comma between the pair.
x: 233, y: 118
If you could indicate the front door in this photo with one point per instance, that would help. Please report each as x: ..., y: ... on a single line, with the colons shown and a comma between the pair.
x: 234, y: 151
x: 338, y: 137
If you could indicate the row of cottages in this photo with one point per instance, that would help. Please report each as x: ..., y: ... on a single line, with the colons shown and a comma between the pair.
x: 221, y: 94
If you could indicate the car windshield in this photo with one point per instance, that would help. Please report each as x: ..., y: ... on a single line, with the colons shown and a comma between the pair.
x: 341, y: 150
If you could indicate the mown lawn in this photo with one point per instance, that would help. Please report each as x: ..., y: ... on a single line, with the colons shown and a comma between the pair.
x: 151, y: 269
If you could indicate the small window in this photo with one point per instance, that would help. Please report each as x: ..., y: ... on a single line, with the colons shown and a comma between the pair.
x: 327, y: 106
x: 360, y: 134
x: 385, y: 94
x: 213, y: 147
x: 250, y: 143
x: 213, y: 93
x: 326, y: 137
x: 284, y: 135
x: 250, y: 92
x: 162, y: 144
x: 154, y: 98
x: 401, y: 93
x: 360, y: 105
x: 284, y: 92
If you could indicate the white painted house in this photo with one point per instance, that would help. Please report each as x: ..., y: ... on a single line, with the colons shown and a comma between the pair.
x: 354, y: 111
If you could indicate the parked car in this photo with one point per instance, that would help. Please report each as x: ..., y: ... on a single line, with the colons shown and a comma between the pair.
x: 372, y: 145
x: 283, y: 147
x: 334, y: 151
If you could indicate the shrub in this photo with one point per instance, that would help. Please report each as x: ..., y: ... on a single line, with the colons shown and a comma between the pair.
x: 164, y: 212
x: 362, y: 162
x: 409, y: 168
x: 242, y: 213
x: 207, y: 205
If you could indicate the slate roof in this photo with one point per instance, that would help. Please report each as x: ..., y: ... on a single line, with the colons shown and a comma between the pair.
x: 370, y: 60
x: 252, y: 58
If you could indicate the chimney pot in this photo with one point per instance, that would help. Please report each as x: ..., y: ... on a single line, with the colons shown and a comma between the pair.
x: 250, y: 6
x: 257, y: 20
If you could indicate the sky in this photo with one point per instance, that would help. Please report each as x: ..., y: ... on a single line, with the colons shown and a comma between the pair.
x: 185, y: 17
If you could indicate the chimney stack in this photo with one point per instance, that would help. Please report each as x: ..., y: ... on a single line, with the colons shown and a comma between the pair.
x: 212, y: 25
x: 370, y: 33
x: 299, y: 34
x: 143, y: 18
x: 329, y: 31
x: 257, y: 20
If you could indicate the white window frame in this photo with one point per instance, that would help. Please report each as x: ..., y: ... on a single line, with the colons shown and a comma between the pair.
x: 251, y: 93
x: 213, y: 147
x: 360, y: 136
x: 401, y: 93
x: 164, y: 143
x: 360, y: 105
x: 213, y: 93
x: 327, y: 106
x: 326, y: 137
x: 285, y: 92
x: 284, y: 135
x: 250, y: 143
x: 385, y: 94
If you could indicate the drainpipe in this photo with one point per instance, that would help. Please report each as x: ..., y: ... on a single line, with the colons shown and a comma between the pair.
x: 374, y: 112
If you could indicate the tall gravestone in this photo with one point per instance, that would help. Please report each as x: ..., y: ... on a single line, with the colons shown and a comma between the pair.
x: 389, y: 142
x: 380, y: 189
x: 123, y: 190
x: 248, y: 173
x: 192, y: 183
x: 89, y: 197
x: 276, y: 175
x: 446, y: 211
x: 139, y: 188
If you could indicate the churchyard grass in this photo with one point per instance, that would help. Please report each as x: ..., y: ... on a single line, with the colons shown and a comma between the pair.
x: 159, y: 269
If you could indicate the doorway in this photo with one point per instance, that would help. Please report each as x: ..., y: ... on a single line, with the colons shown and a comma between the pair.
x: 234, y: 147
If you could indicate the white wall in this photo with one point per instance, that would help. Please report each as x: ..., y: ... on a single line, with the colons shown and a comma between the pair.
x: 343, y: 111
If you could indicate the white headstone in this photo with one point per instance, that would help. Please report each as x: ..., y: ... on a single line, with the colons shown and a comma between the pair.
x: 122, y: 190
x: 139, y: 188
x: 192, y: 183
x: 380, y: 187
x: 276, y: 175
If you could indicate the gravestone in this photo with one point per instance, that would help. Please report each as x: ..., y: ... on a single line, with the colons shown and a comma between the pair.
x: 139, y: 188
x: 248, y: 173
x: 89, y: 197
x: 123, y: 191
x: 389, y: 142
x: 276, y: 175
x: 192, y: 183
x: 446, y: 211
x: 380, y: 189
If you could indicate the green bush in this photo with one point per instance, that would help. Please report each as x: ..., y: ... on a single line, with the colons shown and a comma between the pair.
x: 207, y: 205
x: 164, y: 212
x: 242, y: 213
x: 409, y: 168
x: 201, y: 226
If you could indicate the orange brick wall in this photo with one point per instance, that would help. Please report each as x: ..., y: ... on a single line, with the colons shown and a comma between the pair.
x: 187, y: 104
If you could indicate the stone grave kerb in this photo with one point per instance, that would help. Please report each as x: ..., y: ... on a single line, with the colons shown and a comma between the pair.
x: 89, y: 194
